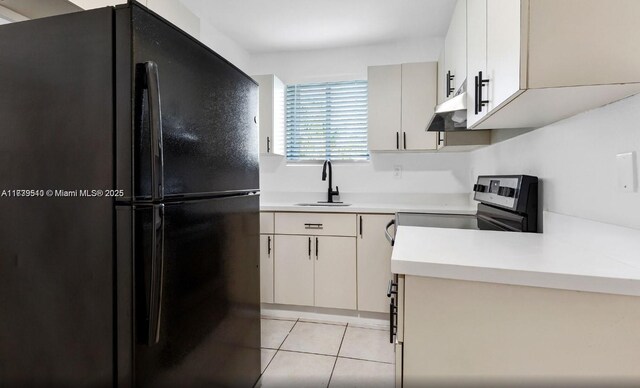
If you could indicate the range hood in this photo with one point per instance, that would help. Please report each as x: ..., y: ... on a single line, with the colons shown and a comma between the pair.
x: 451, y: 115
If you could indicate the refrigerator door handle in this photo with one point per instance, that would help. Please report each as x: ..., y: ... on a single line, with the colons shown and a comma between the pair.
x: 157, y: 275
x: 155, y: 124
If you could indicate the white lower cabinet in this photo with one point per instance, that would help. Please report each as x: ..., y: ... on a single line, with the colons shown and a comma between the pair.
x: 335, y: 272
x: 456, y: 333
x: 374, y: 262
x: 328, y: 260
x: 267, y: 254
x: 293, y: 280
x: 316, y: 271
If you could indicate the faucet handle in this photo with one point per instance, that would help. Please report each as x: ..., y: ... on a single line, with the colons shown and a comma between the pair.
x: 337, y: 192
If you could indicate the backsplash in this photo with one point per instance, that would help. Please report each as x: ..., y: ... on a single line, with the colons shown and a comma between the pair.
x: 576, y: 161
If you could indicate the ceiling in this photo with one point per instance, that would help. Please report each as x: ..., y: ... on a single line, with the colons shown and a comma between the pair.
x: 262, y: 26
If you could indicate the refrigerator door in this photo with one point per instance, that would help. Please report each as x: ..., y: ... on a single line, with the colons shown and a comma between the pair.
x: 204, y: 114
x: 193, y: 271
x: 56, y: 249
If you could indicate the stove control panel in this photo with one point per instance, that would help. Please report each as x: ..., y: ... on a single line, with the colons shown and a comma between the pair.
x: 506, y: 191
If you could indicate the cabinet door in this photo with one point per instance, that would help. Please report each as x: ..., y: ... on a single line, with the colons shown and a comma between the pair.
x: 455, y: 47
x: 293, y: 270
x: 503, y: 50
x: 374, y: 263
x: 419, y: 85
x: 442, y: 77
x: 265, y: 111
x: 476, y: 57
x: 385, y: 93
x: 335, y: 272
x: 267, y: 222
x: 266, y: 268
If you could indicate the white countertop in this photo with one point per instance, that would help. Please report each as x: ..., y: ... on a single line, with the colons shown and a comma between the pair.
x: 453, y: 203
x: 528, y: 259
x: 389, y: 208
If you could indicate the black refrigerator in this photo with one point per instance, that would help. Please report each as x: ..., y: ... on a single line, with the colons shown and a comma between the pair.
x: 129, y: 224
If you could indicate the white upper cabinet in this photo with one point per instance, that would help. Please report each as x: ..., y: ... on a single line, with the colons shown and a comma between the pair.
x: 503, y: 51
x: 401, y: 103
x: 455, y: 51
x: 385, y: 107
x: 419, y: 98
x: 546, y: 60
x: 271, y: 114
x: 476, y: 57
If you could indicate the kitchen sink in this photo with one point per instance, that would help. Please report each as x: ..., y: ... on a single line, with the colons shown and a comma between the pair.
x: 323, y: 204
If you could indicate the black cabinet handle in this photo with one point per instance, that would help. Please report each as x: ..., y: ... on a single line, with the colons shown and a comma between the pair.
x: 390, y: 288
x: 481, y: 83
x: 397, y: 140
x: 440, y: 138
x: 450, y: 89
x: 393, y: 313
x: 268, y: 144
x: 475, y: 95
x: 360, y: 226
x: 309, y: 248
x: 404, y: 139
x: 269, y: 246
x: 447, y: 82
x: 316, y: 248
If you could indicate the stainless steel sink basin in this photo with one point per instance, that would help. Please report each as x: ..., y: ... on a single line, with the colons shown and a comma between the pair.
x: 324, y: 204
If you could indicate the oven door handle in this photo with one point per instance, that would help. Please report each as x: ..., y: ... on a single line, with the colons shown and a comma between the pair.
x: 386, y: 232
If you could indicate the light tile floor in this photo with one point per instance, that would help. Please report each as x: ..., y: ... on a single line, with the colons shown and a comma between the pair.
x: 299, y: 353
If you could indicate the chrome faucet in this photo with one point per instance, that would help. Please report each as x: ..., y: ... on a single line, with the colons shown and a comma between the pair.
x: 330, y: 191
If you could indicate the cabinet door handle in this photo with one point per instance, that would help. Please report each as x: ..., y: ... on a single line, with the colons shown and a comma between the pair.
x: 397, y: 140
x: 393, y: 314
x: 448, y: 85
x: 481, y: 84
x: 404, y: 139
x: 392, y: 288
x: 269, y: 246
x: 450, y: 89
x: 268, y: 144
x: 313, y: 226
x: 360, y: 226
x: 309, y: 248
x: 440, y: 138
x: 316, y: 248
x: 475, y: 95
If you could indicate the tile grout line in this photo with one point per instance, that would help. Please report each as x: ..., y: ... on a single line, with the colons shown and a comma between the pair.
x: 277, y: 350
x: 337, y: 354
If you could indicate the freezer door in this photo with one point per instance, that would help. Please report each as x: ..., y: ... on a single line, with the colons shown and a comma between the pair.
x: 56, y: 257
x: 193, y: 292
x: 201, y: 109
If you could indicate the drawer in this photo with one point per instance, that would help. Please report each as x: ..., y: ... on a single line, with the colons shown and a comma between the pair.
x: 316, y: 224
x: 266, y: 223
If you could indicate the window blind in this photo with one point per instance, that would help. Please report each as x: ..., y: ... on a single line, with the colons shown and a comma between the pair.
x: 327, y: 121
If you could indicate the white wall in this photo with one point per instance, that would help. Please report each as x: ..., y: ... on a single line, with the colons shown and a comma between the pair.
x: 224, y: 46
x: 344, y: 63
x: 575, y: 158
x: 422, y: 173
x: 190, y: 21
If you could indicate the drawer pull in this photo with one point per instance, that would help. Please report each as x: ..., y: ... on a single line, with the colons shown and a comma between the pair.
x: 313, y: 226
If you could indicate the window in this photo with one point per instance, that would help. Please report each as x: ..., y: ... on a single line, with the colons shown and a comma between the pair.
x: 327, y: 121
